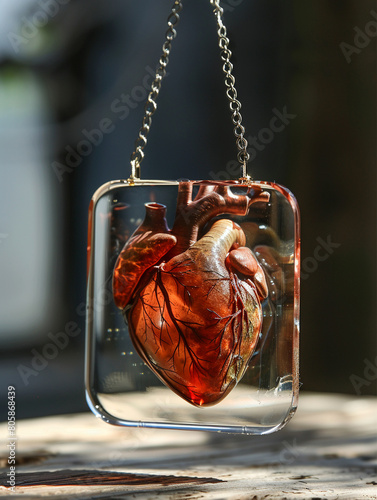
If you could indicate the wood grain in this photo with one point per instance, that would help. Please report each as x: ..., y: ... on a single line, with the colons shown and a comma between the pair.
x: 328, y: 451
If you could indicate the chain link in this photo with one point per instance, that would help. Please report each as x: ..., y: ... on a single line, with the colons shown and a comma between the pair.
x: 231, y: 92
x: 151, y: 104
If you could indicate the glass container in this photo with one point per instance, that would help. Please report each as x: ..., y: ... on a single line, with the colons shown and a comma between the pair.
x: 208, y: 335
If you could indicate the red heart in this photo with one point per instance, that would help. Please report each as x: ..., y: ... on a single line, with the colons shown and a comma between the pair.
x: 193, y: 305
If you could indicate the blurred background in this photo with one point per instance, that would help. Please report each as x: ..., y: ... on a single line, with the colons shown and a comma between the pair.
x: 74, y: 76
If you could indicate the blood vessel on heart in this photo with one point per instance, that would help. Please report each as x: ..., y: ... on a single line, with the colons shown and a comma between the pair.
x: 191, y: 295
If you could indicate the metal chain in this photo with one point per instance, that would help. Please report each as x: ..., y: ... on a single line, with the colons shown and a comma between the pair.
x: 151, y: 104
x: 231, y: 92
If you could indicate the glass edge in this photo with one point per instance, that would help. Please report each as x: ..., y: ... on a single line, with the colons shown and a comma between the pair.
x: 249, y: 430
x: 290, y: 197
x: 93, y: 402
x: 111, y: 185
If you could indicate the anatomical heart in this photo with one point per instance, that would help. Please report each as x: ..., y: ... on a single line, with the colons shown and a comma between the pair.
x: 193, y: 286
x: 192, y: 295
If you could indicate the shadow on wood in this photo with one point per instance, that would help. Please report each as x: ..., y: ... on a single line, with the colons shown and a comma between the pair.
x: 68, y: 477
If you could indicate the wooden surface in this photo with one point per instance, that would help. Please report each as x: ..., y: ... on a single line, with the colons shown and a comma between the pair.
x: 328, y: 451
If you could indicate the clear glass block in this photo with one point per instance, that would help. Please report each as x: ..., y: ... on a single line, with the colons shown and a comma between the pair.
x: 214, y: 322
